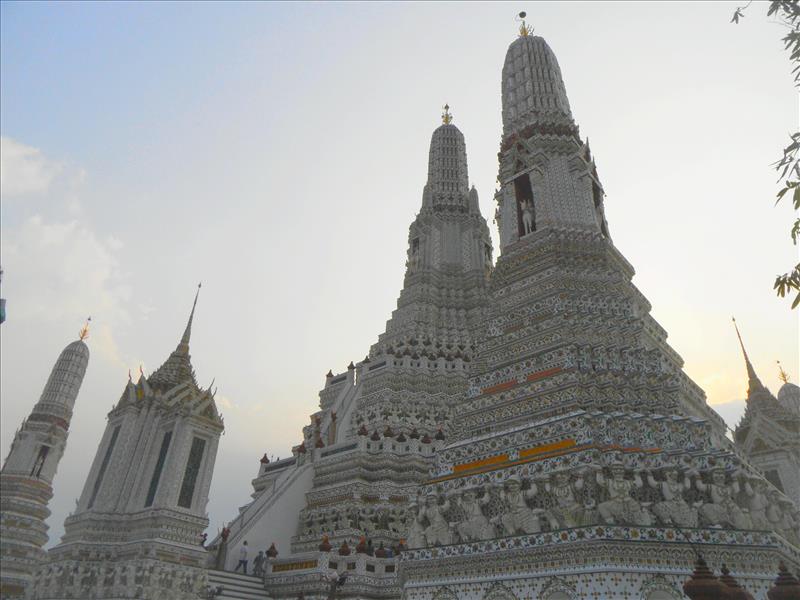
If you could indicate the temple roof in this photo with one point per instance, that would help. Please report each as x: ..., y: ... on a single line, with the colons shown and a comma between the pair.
x: 177, y: 369
x: 759, y: 398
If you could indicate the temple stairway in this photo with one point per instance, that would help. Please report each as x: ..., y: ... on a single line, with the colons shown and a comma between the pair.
x: 236, y: 586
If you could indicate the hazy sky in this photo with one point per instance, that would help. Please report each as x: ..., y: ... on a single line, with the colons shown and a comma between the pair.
x: 277, y: 152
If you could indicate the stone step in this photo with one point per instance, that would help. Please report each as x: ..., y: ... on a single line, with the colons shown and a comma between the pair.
x: 236, y: 586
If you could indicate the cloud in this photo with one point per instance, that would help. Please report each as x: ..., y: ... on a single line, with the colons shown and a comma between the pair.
x: 24, y: 169
x: 55, y: 270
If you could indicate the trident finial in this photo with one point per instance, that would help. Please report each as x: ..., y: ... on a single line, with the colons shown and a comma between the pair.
x: 524, y: 29
x: 784, y: 376
x: 85, y: 329
x: 447, y: 118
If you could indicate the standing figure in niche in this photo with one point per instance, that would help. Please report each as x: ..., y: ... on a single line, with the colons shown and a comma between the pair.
x: 567, y: 512
x: 620, y: 507
x: 722, y: 510
x: 757, y: 494
x: 779, y: 513
x: 416, y: 531
x: 673, y: 509
x: 519, y: 518
x: 527, y: 216
x: 475, y: 525
x: 438, y: 530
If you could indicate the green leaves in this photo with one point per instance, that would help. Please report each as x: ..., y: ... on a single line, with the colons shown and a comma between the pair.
x: 784, y: 284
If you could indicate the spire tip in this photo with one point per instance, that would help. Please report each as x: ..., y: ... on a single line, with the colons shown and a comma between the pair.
x: 447, y: 118
x: 84, y: 333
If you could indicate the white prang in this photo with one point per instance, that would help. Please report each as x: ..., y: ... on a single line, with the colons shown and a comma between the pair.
x: 27, y: 476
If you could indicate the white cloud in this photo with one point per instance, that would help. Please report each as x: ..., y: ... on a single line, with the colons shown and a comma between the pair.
x: 24, y: 169
x: 56, y: 270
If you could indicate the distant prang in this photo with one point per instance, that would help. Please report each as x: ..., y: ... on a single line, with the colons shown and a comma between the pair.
x: 26, y: 481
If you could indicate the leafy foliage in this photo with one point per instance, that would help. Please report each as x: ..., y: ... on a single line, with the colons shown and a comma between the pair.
x: 788, y: 167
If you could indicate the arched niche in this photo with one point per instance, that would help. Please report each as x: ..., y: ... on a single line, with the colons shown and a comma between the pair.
x: 445, y: 594
x: 499, y: 592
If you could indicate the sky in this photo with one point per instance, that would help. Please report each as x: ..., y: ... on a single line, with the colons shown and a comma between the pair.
x: 277, y: 153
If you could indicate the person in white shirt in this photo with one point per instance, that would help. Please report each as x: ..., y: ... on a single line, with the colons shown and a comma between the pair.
x: 242, y: 558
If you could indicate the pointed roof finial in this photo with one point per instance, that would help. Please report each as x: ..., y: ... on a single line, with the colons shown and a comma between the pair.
x: 84, y: 333
x: 754, y: 383
x: 188, y: 332
x: 783, y: 375
x: 447, y: 118
x: 524, y: 29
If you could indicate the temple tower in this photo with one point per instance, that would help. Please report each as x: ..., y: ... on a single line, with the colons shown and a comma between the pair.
x: 769, y: 432
x: 365, y: 452
x: 26, y: 481
x: 137, y: 525
x: 582, y: 462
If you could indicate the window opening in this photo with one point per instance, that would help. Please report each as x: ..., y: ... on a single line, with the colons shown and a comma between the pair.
x: 36, y: 471
x: 162, y: 455
x: 191, y: 472
x: 526, y: 213
x: 103, y: 466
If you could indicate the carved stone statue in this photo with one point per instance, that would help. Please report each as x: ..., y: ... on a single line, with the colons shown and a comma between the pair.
x: 416, y: 532
x: 475, y: 526
x: 757, y: 495
x: 438, y: 529
x: 779, y: 513
x: 527, y: 216
x: 673, y: 508
x: 722, y: 510
x: 620, y: 507
x: 519, y: 518
x: 567, y: 512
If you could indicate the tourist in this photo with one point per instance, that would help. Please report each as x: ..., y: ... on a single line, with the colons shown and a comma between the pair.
x: 242, y: 558
x: 258, y: 564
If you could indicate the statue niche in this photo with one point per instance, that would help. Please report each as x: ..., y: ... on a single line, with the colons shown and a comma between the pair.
x: 526, y: 212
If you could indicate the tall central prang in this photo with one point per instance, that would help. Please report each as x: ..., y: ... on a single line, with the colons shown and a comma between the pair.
x: 584, y: 462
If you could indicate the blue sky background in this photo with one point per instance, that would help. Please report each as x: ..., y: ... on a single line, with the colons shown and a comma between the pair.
x: 277, y: 152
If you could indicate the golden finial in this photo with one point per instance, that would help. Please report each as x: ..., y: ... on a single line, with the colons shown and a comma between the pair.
x: 784, y: 376
x: 524, y: 29
x: 447, y: 118
x: 85, y: 330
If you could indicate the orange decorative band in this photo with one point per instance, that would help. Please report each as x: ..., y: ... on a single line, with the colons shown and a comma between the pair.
x: 534, y: 454
x: 295, y: 566
x: 484, y: 462
x: 507, y: 385
x: 500, y: 387
x: 543, y: 374
x: 542, y: 448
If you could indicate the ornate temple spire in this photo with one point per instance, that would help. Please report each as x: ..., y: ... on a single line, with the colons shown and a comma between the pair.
x: 754, y: 384
x: 533, y: 90
x: 177, y: 368
x: 447, y: 160
x: 187, y: 334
